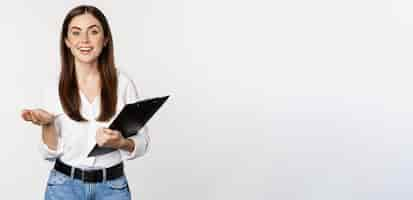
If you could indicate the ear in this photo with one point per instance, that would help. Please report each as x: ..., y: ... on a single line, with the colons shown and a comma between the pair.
x: 68, y: 45
x: 105, y: 42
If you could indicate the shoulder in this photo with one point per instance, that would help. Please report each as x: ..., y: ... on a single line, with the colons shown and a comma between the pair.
x: 126, y: 87
x: 124, y: 78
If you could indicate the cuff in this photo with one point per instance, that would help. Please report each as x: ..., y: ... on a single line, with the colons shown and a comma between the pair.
x: 141, y: 142
x: 49, y: 154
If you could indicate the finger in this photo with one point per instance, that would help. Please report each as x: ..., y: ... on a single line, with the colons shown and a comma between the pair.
x: 42, y: 116
x: 101, y: 132
x: 101, y: 139
x: 105, y: 140
x: 38, y: 118
x: 27, y: 112
x: 98, y: 135
x: 24, y: 112
x: 116, y: 132
x: 106, y: 136
x: 114, y: 136
x: 106, y: 130
x: 100, y: 143
x: 27, y: 118
x: 35, y: 123
x: 26, y: 115
x: 112, y: 132
x: 44, y: 112
x: 33, y: 117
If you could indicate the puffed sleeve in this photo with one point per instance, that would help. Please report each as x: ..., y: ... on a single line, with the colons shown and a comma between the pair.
x: 142, y: 139
x: 51, y: 103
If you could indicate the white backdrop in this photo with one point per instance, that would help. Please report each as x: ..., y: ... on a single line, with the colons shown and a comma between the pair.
x: 269, y: 99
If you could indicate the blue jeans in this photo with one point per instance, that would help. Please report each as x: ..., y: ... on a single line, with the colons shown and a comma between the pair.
x: 62, y: 187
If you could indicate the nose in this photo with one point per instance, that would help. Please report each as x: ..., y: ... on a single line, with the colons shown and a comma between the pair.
x: 85, y: 38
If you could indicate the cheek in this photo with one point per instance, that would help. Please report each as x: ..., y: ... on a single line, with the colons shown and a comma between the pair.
x: 99, y: 43
x: 71, y: 42
x: 72, y: 46
x: 97, y: 40
x: 98, y: 47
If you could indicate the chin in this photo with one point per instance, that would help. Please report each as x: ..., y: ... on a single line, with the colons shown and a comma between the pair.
x: 86, y: 60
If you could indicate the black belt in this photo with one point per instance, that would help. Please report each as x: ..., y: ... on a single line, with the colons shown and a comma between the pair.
x: 98, y: 175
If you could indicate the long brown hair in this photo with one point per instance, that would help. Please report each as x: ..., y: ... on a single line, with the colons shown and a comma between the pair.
x: 68, y: 86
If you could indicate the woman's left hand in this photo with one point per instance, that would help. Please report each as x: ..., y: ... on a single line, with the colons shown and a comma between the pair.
x: 109, y: 138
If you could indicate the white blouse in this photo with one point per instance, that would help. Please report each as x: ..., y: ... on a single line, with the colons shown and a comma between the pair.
x: 76, y: 139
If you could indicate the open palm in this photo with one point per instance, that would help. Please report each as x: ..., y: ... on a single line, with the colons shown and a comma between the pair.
x: 37, y: 116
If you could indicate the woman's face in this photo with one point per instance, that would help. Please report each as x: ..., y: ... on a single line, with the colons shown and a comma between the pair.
x: 85, y: 38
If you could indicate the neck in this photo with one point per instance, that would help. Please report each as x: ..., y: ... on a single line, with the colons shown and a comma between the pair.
x: 86, y: 71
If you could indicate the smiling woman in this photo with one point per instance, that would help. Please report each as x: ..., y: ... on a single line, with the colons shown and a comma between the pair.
x: 85, y: 35
x: 90, y: 92
x: 86, y: 38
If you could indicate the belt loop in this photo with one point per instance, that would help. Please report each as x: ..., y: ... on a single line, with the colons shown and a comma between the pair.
x: 104, y: 175
x: 83, y: 174
x: 72, y: 172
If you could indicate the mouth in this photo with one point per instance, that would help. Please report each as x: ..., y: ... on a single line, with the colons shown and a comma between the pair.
x: 85, y: 50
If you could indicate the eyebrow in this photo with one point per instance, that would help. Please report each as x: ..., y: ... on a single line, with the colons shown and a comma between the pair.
x: 91, y: 26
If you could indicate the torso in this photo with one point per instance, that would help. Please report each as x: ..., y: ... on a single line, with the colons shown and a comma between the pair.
x: 80, y: 138
x: 90, y: 90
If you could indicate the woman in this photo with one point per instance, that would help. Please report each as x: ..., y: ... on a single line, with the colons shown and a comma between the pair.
x: 89, y: 93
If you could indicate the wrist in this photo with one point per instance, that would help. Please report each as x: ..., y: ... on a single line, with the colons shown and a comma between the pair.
x: 123, y: 143
x: 127, y: 144
x: 49, y: 123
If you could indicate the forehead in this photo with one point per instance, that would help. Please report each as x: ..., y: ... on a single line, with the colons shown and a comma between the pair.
x: 84, y: 21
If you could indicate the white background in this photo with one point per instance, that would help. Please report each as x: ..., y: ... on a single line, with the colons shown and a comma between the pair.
x: 269, y: 99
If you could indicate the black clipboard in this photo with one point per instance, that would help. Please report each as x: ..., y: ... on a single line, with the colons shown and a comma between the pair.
x: 131, y: 119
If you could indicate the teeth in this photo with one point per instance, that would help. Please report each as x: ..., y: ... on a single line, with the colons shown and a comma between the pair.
x: 85, y: 48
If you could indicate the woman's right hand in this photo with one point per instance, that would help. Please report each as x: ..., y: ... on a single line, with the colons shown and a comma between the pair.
x: 37, y: 116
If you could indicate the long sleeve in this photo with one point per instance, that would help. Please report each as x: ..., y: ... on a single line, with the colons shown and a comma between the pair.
x: 46, y: 152
x: 142, y: 139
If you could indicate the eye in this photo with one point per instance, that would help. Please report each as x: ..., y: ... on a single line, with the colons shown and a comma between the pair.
x: 95, y: 32
x: 75, y: 33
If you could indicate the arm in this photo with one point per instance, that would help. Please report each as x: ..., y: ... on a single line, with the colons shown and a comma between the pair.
x: 142, y: 143
x: 130, y: 148
x: 127, y: 145
x: 49, y: 145
x: 49, y: 136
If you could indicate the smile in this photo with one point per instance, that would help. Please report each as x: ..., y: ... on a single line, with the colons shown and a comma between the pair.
x: 85, y: 50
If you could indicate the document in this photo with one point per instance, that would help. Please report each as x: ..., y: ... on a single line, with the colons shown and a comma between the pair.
x: 131, y: 119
